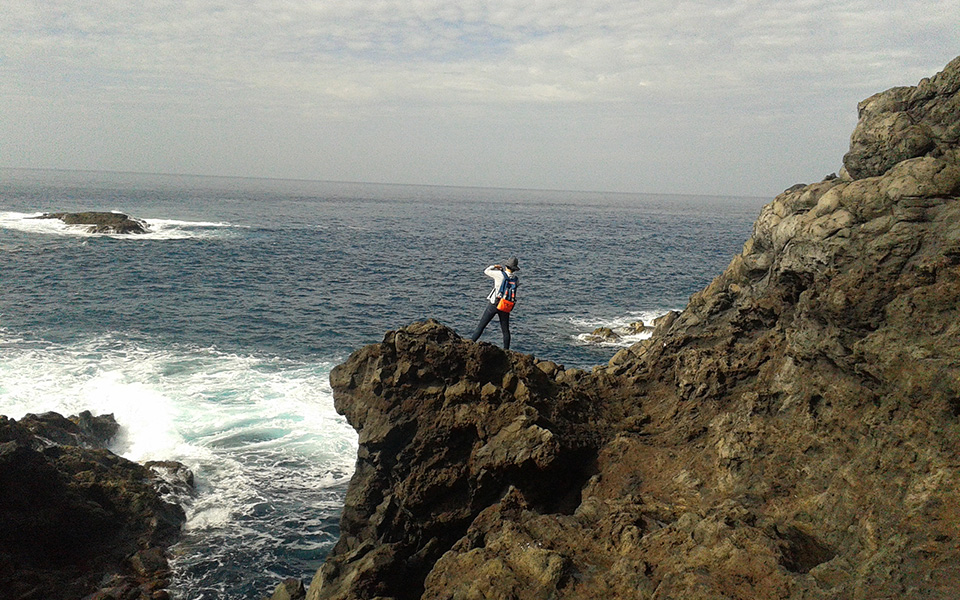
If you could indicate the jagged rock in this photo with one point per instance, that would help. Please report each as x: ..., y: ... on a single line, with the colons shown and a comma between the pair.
x: 602, y: 334
x: 100, y: 222
x: 446, y: 426
x: 663, y: 323
x: 174, y: 481
x: 83, y: 430
x: 75, y: 519
x: 792, y: 434
x: 907, y: 122
x: 289, y: 589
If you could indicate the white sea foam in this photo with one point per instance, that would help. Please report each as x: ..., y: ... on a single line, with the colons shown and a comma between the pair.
x: 622, y: 325
x: 176, y: 223
x: 244, y: 425
x: 29, y: 223
x: 170, y: 229
x: 158, y: 229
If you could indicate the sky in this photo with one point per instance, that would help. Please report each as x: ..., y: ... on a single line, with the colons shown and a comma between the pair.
x: 728, y: 97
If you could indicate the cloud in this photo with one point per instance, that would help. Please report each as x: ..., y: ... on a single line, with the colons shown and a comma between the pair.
x: 684, y: 65
x: 496, y: 51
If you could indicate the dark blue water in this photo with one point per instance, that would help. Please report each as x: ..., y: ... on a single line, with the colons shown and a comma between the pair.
x: 212, y: 337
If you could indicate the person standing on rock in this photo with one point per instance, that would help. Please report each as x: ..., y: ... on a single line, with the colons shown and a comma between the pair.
x: 501, y: 298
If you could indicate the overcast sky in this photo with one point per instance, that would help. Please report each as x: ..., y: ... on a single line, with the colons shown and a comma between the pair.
x: 721, y: 97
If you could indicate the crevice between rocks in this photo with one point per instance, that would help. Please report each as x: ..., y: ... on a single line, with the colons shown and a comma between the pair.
x: 800, y: 552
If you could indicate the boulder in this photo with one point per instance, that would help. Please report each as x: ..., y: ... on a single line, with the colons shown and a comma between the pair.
x: 907, y: 122
x: 83, y: 430
x: 289, y: 589
x: 602, y: 334
x: 664, y: 322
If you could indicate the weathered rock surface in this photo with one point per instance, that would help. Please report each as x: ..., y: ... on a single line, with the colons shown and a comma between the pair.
x: 446, y: 427
x: 907, y: 122
x: 100, y: 222
x: 76, y: 520
x: 289, y: 589
x: 793, y: 434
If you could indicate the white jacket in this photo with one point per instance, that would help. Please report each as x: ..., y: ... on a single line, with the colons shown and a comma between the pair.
x: 496, y: 272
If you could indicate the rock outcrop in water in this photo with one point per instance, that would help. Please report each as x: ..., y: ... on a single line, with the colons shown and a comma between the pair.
x: 100, y: 222
x: 76, y: 520
x: 794, y: 433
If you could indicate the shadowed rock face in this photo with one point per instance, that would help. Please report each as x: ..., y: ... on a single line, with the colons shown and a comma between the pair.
x: 75, y: 519
x: 794, y: 433
x: 100, y: 222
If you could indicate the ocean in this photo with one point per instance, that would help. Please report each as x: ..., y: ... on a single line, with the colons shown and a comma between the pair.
x: 211, y: 337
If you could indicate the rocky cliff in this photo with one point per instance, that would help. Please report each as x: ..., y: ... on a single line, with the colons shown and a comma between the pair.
x: 76, y: 520
x: 794, y: 433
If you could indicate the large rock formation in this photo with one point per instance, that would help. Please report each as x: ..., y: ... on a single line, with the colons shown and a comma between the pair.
x: 76, y: 520
x: 794, y: 433
x: 907, y: 122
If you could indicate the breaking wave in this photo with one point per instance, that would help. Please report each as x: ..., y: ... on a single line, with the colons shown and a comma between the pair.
x: 158, y: 229
x: 270, y: 454
x: 626, y: 330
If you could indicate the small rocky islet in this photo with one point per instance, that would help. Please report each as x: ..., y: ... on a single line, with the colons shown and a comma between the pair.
x: 100, y: 222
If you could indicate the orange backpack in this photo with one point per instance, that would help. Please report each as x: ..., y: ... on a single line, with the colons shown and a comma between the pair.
x: 507, y: 293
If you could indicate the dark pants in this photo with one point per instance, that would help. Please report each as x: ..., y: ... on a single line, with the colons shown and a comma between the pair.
x: 485, y: 320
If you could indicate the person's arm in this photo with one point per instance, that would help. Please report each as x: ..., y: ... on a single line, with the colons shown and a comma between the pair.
x: 493, y: 271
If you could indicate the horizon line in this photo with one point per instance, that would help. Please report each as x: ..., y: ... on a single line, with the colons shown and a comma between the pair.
x: 348, y: 182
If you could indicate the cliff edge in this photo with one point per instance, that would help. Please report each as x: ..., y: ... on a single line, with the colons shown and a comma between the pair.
x: 794, y: 433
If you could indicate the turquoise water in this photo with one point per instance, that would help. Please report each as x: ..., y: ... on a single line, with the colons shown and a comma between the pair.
x: 212, y: 337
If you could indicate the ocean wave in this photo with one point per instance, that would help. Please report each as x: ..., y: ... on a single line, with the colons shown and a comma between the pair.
x: 268, y: 450
x: 624, y: 328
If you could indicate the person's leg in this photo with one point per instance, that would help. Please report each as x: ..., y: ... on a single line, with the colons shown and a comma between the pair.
x: 484, y: 320
x: 505, y: 328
